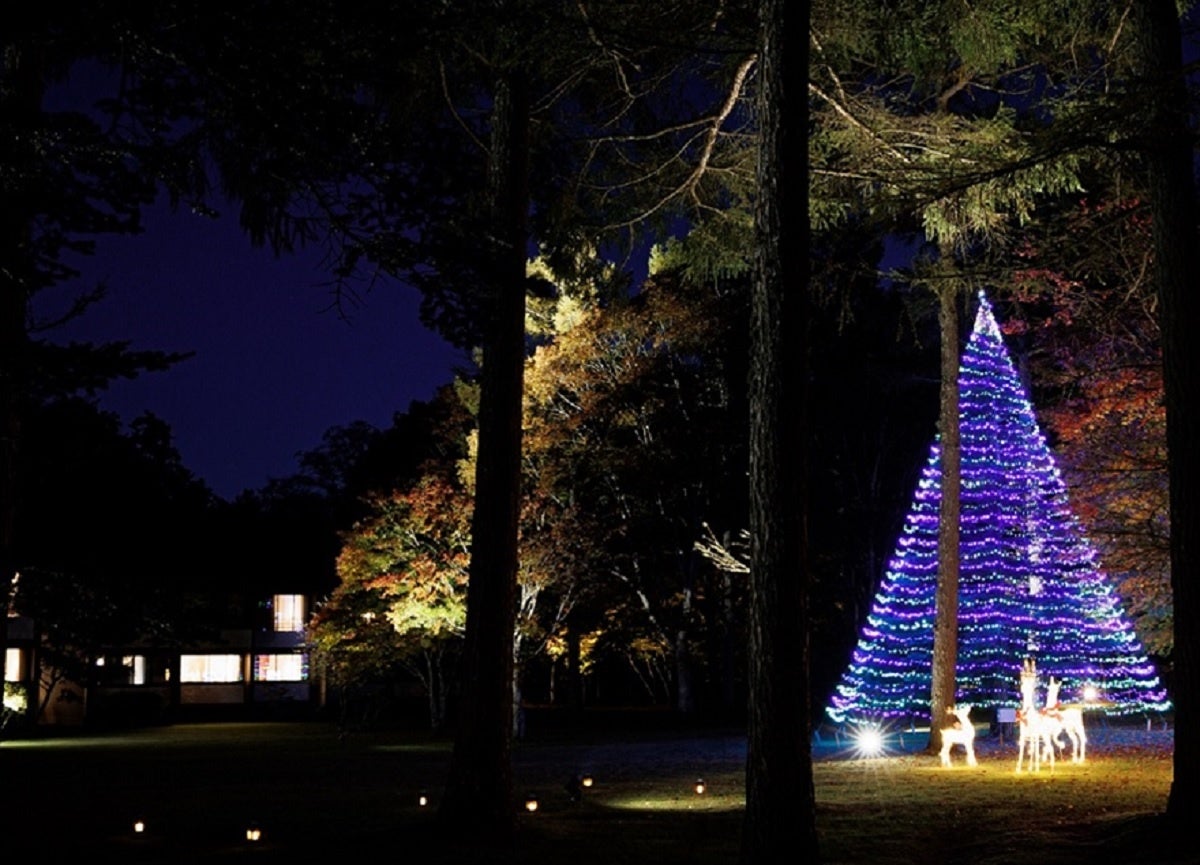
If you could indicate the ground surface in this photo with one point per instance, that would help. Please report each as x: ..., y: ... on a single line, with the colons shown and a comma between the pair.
x: 318, y: 797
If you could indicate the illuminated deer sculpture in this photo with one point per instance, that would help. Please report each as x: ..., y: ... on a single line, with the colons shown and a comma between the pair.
x: 1065, y: 719
x: 961, y: 732
x: 1036, y: 735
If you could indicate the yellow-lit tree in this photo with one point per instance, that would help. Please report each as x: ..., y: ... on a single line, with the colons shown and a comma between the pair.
x: 402, y: 595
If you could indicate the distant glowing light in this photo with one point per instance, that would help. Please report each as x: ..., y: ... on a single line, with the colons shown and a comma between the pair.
x: 531, y: 804
x: 253, y: 833
x: 700, y: 787
x: 587, y: 780
x: 139, y: 826
x: 1091, y: 693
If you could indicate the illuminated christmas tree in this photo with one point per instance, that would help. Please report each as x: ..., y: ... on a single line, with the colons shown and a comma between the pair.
x: 1029, y: 584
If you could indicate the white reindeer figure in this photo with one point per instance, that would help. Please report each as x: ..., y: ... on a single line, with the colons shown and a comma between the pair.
x: 1065, y: 719
x: 1035, y: 728
x: 962, y: 732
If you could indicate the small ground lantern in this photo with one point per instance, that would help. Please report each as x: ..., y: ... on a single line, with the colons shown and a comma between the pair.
x: 253, y: 833
x: 531, y: 803
x: 700, y: 788
x: 139, y: 826
x: 587, y: 780
x: 422, y: 799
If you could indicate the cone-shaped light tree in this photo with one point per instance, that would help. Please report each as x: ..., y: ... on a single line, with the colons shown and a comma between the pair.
x: 1030, y: 584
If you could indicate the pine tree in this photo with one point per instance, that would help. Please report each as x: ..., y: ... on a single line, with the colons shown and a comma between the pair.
x: 1030, y: 582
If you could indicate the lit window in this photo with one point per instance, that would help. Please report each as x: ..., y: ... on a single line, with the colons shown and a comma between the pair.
x: 210, y: 668
x: 280, y: 668
x: 122, y: 670
x: 135, y: 669
x: 12, y: 665
x: 289, y: 612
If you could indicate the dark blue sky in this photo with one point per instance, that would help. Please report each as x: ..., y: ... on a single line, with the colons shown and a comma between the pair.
x: 273, y: 367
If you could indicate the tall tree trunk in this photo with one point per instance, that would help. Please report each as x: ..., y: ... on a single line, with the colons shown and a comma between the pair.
x: 685, y: 695
x: 729, y: 703
x: 518, y: 709
x: 479, y: 797
x: 1168, y: 153
x: 20, y: 105
x: 779, y: 823
x: 574, y: 673
x: 945, y: 628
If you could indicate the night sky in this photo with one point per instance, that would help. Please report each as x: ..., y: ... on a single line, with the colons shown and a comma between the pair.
x: 273, y: 367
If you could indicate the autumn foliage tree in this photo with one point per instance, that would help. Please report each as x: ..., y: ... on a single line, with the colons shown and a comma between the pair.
x: 630, y: 445
x: 404, y: 565
x: 630, y: 448
x: 1092, y: 348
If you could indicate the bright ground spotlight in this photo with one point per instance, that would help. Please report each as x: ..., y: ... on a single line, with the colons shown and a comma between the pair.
x: 868, y: 742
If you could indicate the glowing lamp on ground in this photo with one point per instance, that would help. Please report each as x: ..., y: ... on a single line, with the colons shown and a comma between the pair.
x: 700, y: 788
x: 139, y: 826
x: 422, y: 799
x: 253, y: 833
x: 587, y: 780
x: 531, y: 803
x: 868, y: 742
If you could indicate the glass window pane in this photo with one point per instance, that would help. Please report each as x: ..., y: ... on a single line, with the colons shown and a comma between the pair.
x: 281, y: 668
x: 135, y: 669
x: 12, y: 665
x: 289, y: 612
x: 210, y: 668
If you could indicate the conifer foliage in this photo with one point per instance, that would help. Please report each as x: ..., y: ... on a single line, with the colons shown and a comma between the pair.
x: 1031, y: 585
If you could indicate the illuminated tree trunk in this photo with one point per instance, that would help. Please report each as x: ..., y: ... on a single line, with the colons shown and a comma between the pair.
x: 945, y: 629
x: 1169, y: 160
x: 478, y: 798
x: 779, y: 822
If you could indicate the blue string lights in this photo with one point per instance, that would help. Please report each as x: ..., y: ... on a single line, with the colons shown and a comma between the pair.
x: 1029, y: 581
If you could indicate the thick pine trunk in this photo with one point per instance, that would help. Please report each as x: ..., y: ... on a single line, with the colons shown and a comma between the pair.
x: 20, y: 103
x: 779, y: 823
x: 479, y: 792
x: 1168, y: 152
x: 945, y: 629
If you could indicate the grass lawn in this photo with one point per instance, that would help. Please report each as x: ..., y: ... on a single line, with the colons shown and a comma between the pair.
x: 317, y: 798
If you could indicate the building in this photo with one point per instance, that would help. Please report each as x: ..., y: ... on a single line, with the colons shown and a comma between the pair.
x: 243, y: 672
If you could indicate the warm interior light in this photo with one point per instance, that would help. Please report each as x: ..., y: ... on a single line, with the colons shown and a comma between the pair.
x: 531, y: 804
x: 586, y: 780
x: 700, y: 787
x: 253, y: 833
x: 139, y: 826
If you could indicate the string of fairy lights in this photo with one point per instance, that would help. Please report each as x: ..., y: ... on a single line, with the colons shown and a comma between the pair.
x: 1029, y: 582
